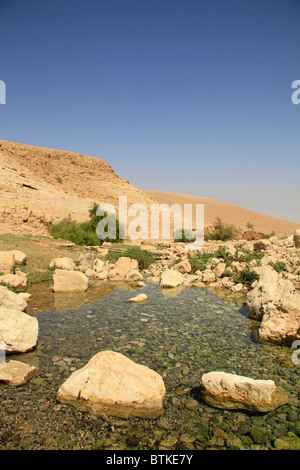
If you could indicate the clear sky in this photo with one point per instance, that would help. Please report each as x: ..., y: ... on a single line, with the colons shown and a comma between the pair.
x: 186, y: 96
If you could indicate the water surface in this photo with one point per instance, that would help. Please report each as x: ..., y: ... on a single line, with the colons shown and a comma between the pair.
x: 181, y: 334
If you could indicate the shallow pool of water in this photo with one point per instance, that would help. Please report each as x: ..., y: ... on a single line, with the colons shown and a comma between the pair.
x: 181, y: 334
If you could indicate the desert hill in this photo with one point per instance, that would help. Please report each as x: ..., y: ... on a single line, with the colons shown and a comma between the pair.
x: 40, y: 185
x: 229, y: 213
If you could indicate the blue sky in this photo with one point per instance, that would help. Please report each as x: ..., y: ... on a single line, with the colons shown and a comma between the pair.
x: 186, y: 96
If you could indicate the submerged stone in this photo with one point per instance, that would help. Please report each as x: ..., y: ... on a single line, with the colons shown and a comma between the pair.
x: 16, y: 373
x: 139, y: 298
x: 231, y: 391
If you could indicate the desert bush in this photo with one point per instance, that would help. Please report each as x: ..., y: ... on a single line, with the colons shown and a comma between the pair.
x: 200, y: 261
x: 247, y: 256
x: 279, y: 266
x: 221, y: 231
x: 83, y: 233
x: 246, y: 276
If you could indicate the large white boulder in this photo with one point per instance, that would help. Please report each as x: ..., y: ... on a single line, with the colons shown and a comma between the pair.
x: 183, y: 267
x: 69, y: 281
x: 18, y: 330
x: 124, y: 265
x: 111, y: 383
x: 281, y: 324
x: 270, y: 289
x: 171, y: 278
x: 9, y: 299
x: 274, y: 303
x: 231, y: 391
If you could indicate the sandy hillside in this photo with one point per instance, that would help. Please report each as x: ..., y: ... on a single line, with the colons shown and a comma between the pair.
x: 40, y: 183
x: 229, y: 213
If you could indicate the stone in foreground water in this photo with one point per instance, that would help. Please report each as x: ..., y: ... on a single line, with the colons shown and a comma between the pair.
x: 111, y: 383
x: 231, y: 391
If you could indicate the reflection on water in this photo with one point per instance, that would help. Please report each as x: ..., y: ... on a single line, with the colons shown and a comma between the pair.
x: 43, y: 299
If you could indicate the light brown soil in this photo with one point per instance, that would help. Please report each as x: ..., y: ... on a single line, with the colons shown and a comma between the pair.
x: 229, y: 213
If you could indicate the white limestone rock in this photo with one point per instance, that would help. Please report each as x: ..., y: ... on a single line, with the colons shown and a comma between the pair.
x: 111, y: 383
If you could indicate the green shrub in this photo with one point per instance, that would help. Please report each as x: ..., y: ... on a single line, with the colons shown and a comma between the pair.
x: 222, y: 253
x: 248, y: 256
x: 246, y: 276
x: 279, y: 266
x: 221, y: 231
x: 80, y: 234
x: 83, y: 233
x: 143, y: 257
x: 200, y: 261
x: 226, y: 273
